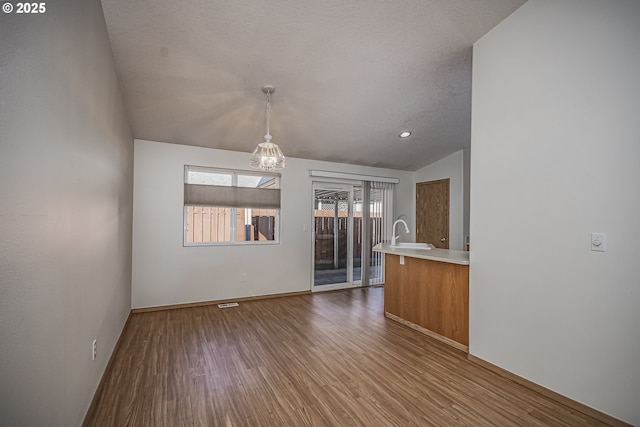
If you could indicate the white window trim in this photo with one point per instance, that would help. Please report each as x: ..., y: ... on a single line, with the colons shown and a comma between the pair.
x: 234, y: 182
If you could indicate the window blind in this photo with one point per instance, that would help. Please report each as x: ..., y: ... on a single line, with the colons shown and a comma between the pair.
x: 231, y: 197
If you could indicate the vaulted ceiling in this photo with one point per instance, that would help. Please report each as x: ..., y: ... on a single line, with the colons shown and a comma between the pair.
x: 350, y: 75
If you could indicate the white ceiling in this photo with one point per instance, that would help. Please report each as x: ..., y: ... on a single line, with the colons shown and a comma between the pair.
x: 350, y: 75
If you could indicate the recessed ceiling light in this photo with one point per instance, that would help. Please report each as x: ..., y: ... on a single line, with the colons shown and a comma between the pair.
x: 405, y: 134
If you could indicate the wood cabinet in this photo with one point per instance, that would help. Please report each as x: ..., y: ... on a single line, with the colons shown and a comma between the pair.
x: 430, y: 296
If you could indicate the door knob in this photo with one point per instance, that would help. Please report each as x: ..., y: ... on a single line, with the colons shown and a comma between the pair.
x: 443, y: 239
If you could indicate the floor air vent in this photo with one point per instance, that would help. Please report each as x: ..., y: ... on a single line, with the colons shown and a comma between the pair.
x: 228, y: 304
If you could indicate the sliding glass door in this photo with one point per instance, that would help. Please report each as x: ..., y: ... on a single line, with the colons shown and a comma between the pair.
x: 333, y: 236
x: 348, y: 220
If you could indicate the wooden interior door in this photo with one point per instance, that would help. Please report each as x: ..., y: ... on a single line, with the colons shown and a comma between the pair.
x: 432, y: 213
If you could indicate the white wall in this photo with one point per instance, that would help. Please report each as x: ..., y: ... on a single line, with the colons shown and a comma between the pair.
x: 450, y: 167
x: 555, y: 154
x: 165, y: 272
x: 66, y: 181
x: 466, y: 193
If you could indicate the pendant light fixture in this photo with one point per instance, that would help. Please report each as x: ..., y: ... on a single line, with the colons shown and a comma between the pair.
x: 267, y: 155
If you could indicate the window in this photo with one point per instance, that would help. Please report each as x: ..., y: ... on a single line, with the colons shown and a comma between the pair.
x: 228, y: 207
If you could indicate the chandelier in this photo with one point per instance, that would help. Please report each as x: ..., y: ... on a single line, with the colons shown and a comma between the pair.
x: 267, y: 155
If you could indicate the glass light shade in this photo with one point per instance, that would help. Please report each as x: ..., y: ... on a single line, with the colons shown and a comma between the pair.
x: 267, y: 156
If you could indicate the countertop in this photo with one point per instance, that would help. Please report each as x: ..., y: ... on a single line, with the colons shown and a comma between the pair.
x: 442, y: 255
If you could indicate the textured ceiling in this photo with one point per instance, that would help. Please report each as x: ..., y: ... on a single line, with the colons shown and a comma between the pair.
x: 350, y: 75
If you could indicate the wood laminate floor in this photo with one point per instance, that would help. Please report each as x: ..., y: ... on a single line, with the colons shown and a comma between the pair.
x: 328, y: 359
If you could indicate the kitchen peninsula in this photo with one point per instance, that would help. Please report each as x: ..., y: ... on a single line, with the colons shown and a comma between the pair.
x: 428, y: 290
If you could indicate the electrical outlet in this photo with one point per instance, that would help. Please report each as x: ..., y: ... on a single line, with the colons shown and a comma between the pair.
x: 94, y: 349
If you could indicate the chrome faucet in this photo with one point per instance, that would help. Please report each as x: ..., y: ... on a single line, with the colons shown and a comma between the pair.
x: 394, y: 239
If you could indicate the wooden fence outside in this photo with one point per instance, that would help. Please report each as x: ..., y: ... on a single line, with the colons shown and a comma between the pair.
x: 211, y: 224
x: 324, y: 243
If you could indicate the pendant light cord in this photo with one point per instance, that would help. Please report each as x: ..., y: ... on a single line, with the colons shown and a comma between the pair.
x: 268, y: 112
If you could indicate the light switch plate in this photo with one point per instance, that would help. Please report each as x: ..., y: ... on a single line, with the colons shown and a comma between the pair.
x: 598, y: 242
